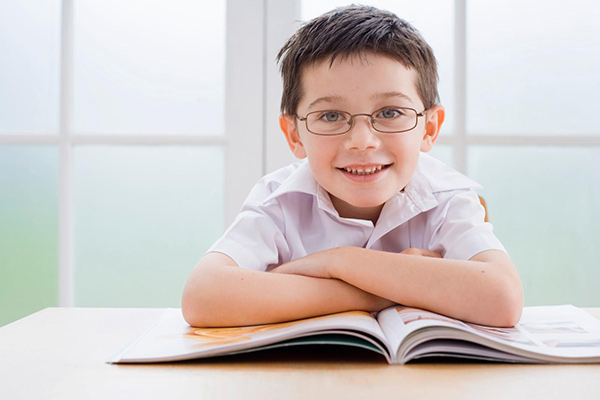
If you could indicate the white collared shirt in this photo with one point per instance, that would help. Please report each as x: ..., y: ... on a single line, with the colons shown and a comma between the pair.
x: 288, y: 215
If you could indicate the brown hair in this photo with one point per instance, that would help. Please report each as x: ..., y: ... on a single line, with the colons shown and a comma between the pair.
x: 352, y: 30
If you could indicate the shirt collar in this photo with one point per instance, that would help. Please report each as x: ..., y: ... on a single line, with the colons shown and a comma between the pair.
x: 442, y: 178
x: 431, y: 177
x: 301, y: 180
x: 419, y: 195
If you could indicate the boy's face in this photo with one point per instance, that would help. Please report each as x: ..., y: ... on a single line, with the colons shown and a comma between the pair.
x: 361, y: 84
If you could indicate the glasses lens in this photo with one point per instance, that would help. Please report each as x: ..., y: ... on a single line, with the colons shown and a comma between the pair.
x: 328, y: 122
x: 394, y: 119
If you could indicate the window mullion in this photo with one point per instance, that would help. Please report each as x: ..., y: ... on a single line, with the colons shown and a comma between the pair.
x: 65, y: 211
x: 460, y: 84
x: 282, y: 20
x: 244, y: 102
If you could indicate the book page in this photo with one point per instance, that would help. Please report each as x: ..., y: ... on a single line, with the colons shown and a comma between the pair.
x: 553, y: 331
x: 398, y: 322
x: 172, y: 339
x: 564, y: 331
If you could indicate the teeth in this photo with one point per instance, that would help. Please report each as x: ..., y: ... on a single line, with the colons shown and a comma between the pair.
x: 366, y: 171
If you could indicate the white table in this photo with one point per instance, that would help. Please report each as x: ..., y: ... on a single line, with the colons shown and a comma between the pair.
x: 60, y: 353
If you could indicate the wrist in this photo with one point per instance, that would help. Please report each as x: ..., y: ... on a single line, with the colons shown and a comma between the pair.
x: 341, y: 260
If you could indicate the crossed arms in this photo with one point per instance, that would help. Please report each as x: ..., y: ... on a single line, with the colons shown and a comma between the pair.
x: 485, y: 289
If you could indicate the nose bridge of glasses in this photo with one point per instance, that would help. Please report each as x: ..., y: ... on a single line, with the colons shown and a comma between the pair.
x: 353, y: 116
x: 364, y: 136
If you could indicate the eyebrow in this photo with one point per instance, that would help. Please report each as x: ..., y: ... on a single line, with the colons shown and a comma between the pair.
x: 326, y: 99
x: 387, y: 95
x: 376, y: 96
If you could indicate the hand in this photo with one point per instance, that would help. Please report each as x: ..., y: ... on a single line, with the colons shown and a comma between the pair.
x: 316, y: 265
x: 421, y: 252
x: 321, y: 264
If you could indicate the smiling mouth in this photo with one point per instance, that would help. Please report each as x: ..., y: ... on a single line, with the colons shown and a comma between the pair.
x: 365, y: 171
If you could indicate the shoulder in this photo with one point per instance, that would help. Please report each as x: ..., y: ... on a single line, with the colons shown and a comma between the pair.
x: 456, y: 224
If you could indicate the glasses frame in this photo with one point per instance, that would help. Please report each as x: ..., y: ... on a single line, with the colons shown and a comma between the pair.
x: 371, y: 116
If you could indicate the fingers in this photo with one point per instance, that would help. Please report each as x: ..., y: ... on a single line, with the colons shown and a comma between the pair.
x: 421, y: 252
x: 428, y: 253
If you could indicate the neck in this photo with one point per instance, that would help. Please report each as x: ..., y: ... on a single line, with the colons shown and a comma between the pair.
x: 346, y: 210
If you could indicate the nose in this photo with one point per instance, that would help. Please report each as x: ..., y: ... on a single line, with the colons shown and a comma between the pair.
x: 362, y: 136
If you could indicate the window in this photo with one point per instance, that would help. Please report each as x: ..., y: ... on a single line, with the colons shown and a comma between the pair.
x: 130, y: 133
x: 113, y: 146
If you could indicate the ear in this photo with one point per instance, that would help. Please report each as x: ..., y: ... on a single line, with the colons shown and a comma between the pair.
x: 287, y: 123
x: 434, y: 120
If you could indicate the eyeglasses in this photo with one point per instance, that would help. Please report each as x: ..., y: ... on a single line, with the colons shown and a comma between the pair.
x: 385, y: 120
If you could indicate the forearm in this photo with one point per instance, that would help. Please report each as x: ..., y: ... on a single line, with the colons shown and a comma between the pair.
x: 486, y: 290
x: 232, y: 296
x: 487, y: 293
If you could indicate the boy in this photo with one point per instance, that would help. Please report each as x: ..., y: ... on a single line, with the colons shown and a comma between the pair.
x: 367, y: 221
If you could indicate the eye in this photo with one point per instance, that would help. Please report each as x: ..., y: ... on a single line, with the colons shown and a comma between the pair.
x: 331, y: 116
x: 388, y: 113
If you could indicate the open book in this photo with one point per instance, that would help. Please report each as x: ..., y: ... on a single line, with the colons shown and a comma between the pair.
x: 548, y: 334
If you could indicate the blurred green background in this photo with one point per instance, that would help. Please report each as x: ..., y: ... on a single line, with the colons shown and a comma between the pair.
x: 143, y: 216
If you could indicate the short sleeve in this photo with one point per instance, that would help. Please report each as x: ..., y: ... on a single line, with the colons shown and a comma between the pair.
x: 459, y: 231
x: 255, y: 240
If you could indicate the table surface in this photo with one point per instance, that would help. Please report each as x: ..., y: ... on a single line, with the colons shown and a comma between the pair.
x: 60, y: 353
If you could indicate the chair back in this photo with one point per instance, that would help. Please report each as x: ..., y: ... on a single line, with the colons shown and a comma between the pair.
x: 482, y: 201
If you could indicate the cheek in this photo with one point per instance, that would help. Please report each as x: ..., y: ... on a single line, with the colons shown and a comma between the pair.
x: 407, y: 148
x: 322, y: 151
